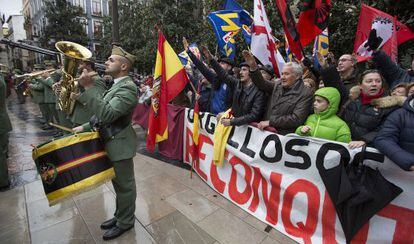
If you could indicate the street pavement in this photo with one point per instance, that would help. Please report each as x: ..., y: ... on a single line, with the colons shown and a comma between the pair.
x: 170, y: 207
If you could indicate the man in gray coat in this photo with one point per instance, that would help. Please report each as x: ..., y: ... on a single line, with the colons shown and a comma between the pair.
x: 291, y: 100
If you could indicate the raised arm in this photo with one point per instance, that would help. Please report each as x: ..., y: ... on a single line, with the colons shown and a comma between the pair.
x: 392, y: 73
x: 257, y: 78
x: 205, y: 71
x: 331, y: 78
x: 221, y: 73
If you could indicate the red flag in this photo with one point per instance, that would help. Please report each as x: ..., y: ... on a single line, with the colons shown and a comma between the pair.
x: 263, y: 44
x: 169, y: 79
x: 313, y: 19
x: 384, y: 24
x: 403, y: 33
x: 289, y: 25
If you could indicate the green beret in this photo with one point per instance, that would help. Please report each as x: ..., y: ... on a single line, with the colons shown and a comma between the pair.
x: 121, y: 52
x: 49, y: 62
x: 17, y: 71
x: 38, y: 66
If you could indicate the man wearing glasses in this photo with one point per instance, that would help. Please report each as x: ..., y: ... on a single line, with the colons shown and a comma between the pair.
x: 347, y: 70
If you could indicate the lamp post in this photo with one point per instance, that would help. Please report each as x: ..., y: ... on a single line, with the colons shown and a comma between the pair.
x: 115, y: 23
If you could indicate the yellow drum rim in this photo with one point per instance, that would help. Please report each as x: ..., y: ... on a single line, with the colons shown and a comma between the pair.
x: 63, y: 142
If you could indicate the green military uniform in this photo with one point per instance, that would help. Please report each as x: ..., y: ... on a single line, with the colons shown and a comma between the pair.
x: 120, y: 100
x: 20, y: 87
x: 5, y: 128
x: 62, y: 116
x: 49, y: 99
x: 81, y: 113
x: 38, y: 90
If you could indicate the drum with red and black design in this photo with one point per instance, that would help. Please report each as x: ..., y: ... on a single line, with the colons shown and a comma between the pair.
x: 72, y: 165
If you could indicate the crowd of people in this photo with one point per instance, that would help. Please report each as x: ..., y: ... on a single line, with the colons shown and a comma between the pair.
x: 339, y: 100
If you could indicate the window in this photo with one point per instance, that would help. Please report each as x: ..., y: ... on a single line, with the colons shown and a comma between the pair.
x: 97, y: 48
x: 96, y: 7
x: 97, y: 29
x: 84, y: 24
x: 79, y: 3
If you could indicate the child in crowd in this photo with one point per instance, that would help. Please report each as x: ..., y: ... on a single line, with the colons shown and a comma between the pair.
x: 324, y: 123
x: 399, y: 90
x: 410, y: 89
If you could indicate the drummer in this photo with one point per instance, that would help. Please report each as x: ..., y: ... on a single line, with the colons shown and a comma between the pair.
x: 114, y: 112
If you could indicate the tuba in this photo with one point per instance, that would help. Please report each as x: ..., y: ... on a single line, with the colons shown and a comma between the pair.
x: 73, y: 55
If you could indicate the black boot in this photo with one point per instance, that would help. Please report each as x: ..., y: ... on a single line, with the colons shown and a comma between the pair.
x: 108, y: 224
x: 115, y: 232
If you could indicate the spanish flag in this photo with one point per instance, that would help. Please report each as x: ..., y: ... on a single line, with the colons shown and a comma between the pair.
x: 169, y: 79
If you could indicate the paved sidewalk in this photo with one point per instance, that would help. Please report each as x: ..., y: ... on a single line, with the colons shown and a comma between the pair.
x: 170, y: 207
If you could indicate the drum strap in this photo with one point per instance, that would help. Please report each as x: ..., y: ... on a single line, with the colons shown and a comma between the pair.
x: 108, y: 131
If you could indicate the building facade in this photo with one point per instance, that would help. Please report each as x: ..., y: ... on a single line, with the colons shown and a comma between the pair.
x: 18, y: 58
x: 4, y: 59
x: 94, y: 11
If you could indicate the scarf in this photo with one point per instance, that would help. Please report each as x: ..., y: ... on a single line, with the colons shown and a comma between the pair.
x: 366, y: 99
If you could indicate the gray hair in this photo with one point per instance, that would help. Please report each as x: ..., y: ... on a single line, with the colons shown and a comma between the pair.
x: 297, y: 69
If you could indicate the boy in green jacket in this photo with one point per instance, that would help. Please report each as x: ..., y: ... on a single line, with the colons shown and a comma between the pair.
x: 324, y: 123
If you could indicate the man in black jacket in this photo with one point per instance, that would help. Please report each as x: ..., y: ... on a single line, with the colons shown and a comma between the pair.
x: 248, y: 101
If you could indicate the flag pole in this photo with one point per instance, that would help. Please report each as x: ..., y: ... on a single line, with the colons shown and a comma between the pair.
x: 191, y: 170
x: 192, y: 86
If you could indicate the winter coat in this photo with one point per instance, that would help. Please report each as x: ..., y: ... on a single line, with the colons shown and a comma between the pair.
x: 4, y: 117
x: 331, y: 78
x: 390, y: 70
x: 365, y: 120
x: 327, y: 124
x: 309, y: 77
x: 351, y: 80
x: 248, y: 104
x: 396, y: 137
x: 289, y: 107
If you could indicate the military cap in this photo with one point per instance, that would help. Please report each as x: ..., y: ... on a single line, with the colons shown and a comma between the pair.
x: 121, y: 52
x: 17, y: 71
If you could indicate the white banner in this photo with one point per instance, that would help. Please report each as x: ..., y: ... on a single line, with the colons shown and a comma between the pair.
x: 276, y: 179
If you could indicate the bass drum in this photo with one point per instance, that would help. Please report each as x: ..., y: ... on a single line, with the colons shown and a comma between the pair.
x: 72, y: 165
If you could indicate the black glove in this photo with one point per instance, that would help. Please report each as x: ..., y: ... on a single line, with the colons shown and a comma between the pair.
x: 373, y: 41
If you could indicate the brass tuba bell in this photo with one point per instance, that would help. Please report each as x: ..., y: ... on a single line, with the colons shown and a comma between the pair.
x: 73, y: 54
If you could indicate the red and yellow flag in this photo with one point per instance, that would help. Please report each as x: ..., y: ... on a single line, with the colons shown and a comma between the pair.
x: 169, y: 79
